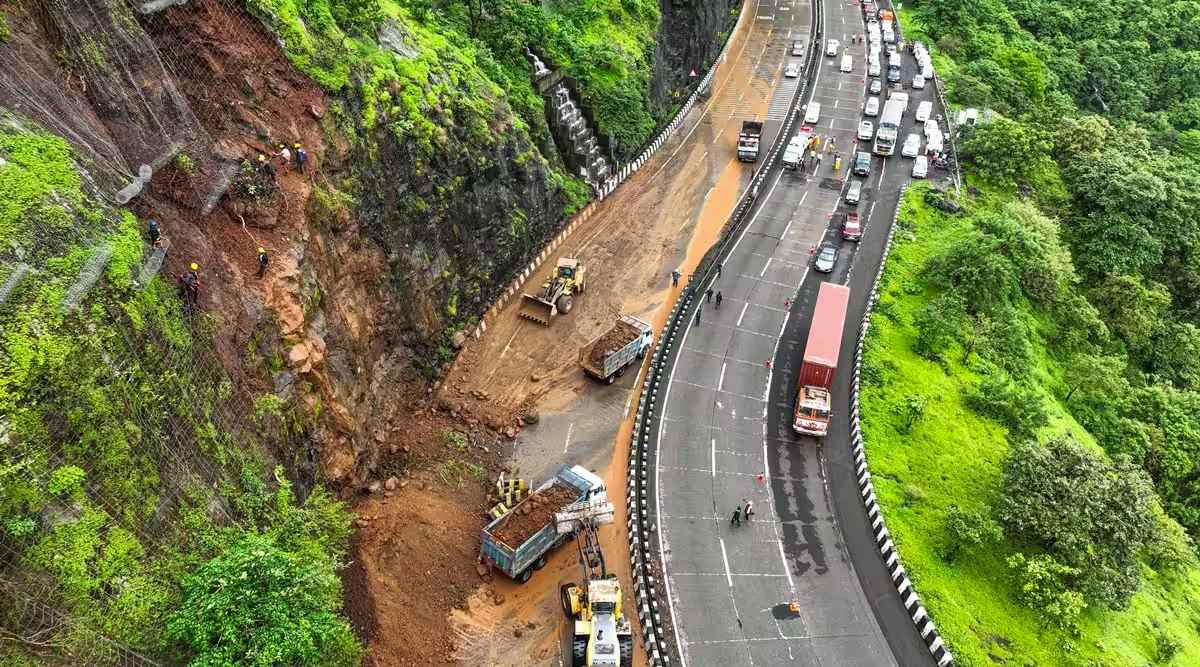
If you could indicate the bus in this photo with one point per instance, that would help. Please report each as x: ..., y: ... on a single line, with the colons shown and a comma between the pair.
x: 889, y: 126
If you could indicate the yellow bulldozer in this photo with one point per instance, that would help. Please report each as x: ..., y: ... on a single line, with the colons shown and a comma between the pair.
x: 600, y: 634
x: 557, y: 292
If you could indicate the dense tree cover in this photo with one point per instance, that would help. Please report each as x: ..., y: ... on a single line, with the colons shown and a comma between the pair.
x: 1102, y: 104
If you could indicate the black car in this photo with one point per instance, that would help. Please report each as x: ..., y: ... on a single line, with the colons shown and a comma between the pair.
x: 862, y: 163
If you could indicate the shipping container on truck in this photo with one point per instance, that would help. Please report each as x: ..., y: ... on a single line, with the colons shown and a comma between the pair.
x: 813, y: 396
x: 518, y: 550
x: 889, y: 126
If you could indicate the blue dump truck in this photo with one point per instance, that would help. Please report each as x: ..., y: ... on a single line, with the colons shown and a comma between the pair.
x: 517, y: 542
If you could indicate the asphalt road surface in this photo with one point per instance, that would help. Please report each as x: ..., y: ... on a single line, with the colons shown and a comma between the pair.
x: 726, y: 436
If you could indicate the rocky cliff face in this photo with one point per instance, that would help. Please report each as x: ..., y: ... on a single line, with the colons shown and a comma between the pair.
x: 691, y: 36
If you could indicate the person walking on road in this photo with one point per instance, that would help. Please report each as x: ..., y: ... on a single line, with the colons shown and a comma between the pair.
x: 718, y: 270
x: 749, y: 511
x: 708, y: 295
x: 717, y: 305
x: 699, y: 309
x: 737, y: 516
x: 675, y: 276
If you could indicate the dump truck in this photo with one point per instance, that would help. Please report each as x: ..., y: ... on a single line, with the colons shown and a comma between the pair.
x: 517, y: 542
x: 607, y: 355
x: 748, y: 140
x: 813, y: 395
x: 556, y: 294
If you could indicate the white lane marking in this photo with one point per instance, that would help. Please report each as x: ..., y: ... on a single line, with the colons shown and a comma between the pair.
x: 744, y: 307
x: 714, y: 458
x: 569, y: 430
x: 725, y: 558
x: 764, y: 268
x: 721, y: 574
x: 721, y: 381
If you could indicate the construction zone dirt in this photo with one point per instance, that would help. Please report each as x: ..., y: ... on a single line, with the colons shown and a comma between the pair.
x: 616, y: 338
x: 532, y: 515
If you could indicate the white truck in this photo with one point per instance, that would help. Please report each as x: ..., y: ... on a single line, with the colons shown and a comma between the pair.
x: 889, y: 125
x: 607, y: 355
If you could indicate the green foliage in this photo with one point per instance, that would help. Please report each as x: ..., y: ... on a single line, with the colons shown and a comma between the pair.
x: 66, y: 480
x: 1166, y: 648
x: 953, y: 453
x: 1017, y: 406
x: 1043, y: 585
x: 1094, y: 516
x: 911, y: 410
x: 968, y: 530
x: 1006, y: 150
x: 5, y: 30
x: 258, y: 604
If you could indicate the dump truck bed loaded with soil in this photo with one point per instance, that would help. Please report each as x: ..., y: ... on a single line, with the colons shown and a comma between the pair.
x: 606, y: 356
x: 517, y: 542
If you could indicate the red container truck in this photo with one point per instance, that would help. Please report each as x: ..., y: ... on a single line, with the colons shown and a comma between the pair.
x: 813, y: 398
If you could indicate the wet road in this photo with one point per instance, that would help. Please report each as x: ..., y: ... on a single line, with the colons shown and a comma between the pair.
x: 726, y: 436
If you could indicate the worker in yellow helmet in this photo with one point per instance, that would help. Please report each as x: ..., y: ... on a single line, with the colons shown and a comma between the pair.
x: 285, y: 156
x: 263, y: 260
x: 265, y: 167
x: 190, y: 286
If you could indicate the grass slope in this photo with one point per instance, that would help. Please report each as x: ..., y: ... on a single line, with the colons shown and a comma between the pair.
x: 953, y: 456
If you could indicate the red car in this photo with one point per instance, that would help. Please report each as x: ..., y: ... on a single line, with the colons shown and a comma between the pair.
x: 851, y: 228
x: 868, y: 8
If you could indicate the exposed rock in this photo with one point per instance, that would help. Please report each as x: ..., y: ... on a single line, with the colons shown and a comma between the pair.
x: 374, y: 486
x: 390, y: 484
x: 531, y: 417
x: 459, y: 339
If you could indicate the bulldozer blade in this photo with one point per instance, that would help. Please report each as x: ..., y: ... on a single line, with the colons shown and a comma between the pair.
x: 533, y: 308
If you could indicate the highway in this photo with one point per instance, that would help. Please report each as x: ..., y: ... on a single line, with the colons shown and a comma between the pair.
x: 725, y: 434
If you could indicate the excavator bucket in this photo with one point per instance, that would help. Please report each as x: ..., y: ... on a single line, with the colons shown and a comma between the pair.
x: 536, y: 309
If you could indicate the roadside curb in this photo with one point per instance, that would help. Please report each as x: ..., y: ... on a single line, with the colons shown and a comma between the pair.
x: 887, y: 548
x: 646, y: 549
x: 627, y: 170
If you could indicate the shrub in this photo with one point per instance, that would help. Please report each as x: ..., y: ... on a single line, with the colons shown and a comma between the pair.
x: 967, y: 530
x: 1018, y: 407
x: 1042, y: 582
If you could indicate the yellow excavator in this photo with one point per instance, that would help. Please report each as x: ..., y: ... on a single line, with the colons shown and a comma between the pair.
x: 557, y: 292
x: 600, y: 634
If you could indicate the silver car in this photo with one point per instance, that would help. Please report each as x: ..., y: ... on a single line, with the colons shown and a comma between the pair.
x: 826, y: 258
x: 871, y: 108
x: 876, y: 86
x: 920, y: 167
x: 912, y: 145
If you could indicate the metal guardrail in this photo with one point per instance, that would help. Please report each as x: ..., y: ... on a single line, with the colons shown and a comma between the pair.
x: 644, y: 538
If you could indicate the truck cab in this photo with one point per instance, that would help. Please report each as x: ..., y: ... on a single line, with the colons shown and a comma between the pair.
x: 812, y: 411
x: 595, y: 484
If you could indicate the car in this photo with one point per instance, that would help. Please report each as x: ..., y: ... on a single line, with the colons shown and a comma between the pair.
x: 847, y: 65
x: 873, y: 67
x: 868, y: 8
x: 862, y: 164
x: 826, y: 258
x: 813, y: 113
x: 831, y: 47
x: 920, y: 167
x: 931, y: 126
x: 852, y: 228
x: 891, y: 48
x: 871, y: 108
x: 854, y: 192
x: 912, y: 145
x: 793, y: 70
x: 798, y: 47
x: 918, y: 82
x: 876, y: 86
x: 866, y: 130
x: 924, y: 109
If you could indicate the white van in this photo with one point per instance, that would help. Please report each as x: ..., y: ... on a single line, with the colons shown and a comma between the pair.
x: 847, y: 63
x: 889, y: 36
x: 873, y: 67
x: 813, y: 113
x: 933, y: 144
x: 927, y: 71
x: 924, y: 109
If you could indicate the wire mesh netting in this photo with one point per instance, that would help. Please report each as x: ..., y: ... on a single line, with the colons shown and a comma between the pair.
x: 137, y: 398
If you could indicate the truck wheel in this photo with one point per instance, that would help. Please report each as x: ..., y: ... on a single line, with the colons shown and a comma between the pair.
x: 564, y: 303
x: 579, y: 651
x: 620, y: 371
x: 626, y: 643
x: 610, y: 379
x: 564, y: 594
x: 539, y: 563
x: 524, y: 575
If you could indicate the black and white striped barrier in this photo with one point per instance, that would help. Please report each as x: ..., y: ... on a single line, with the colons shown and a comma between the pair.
x: 883, y: 539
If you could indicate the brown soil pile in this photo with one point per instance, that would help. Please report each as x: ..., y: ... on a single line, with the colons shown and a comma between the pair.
x: 532, y: 515
x: 614, y: 339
